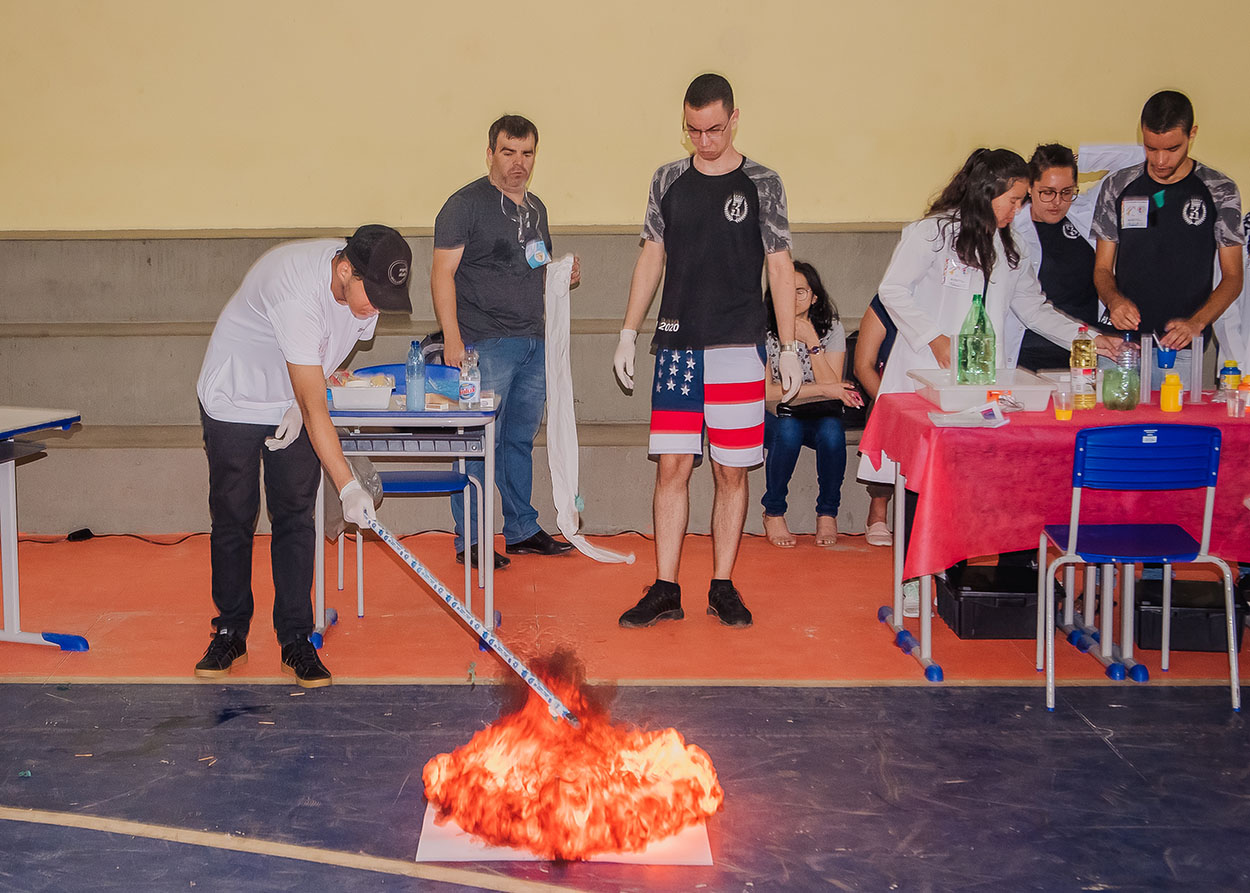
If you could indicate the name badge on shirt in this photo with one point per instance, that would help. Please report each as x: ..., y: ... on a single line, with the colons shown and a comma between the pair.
x: 956, y: 275
x: 536, y: 253
x: 1134, y: 212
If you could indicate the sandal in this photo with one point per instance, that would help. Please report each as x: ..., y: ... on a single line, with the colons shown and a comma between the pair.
x: 878, y: 534
x: 783, y: 539
x: 825, y: 538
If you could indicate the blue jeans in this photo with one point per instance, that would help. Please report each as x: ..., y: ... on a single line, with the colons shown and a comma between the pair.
x: 515, y: 369
x: 784, y: 439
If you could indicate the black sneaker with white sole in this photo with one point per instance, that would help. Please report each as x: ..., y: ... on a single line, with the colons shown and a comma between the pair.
x: 660, y: 601
x: 224, y: 651
x: 300, y: 659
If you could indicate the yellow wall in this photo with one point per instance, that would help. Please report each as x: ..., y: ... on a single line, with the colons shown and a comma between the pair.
x: 287, y: 114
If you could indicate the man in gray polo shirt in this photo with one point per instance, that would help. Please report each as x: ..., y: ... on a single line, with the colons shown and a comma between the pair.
x: 491, y: 243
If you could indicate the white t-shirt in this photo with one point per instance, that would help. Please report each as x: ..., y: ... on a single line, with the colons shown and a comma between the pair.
x: 282, y: 313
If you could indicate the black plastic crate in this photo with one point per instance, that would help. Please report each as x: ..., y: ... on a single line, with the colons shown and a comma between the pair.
x: 1197, y: 615
x: 990, y: 602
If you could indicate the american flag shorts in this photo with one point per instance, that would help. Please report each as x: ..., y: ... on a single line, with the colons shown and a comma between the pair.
x: 722, y: 387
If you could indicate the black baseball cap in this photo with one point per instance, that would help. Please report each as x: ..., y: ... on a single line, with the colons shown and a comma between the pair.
x: 383, y: 259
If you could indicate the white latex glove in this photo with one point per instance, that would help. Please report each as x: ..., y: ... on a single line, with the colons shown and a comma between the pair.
x: 288, y: 429
x: 357, y: 504
x: 791, y: 374
x: 623, y: 359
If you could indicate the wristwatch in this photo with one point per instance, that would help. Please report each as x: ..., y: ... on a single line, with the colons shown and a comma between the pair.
x: 815, y: 350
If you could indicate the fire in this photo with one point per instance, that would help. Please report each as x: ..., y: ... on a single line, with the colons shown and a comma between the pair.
x: 568, y: 793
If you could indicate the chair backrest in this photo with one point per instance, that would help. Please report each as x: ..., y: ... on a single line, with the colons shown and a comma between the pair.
x: 1146, y: 457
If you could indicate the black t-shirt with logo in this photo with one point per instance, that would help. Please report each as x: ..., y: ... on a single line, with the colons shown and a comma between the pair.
x: 716, y: 232
x: 1166, y: 267
x: 1067, y: 277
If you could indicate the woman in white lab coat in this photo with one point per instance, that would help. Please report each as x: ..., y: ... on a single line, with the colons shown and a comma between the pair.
x: 963, y: 246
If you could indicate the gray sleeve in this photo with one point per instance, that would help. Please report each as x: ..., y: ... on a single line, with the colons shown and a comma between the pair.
x: 454, y: 223
x: 653, y: 223
x: 1224, y: 193
x: 1106, y: 223
x: 774, y: 217
x: 835, y: 339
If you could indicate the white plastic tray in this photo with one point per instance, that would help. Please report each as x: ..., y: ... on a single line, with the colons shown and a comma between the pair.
x: 938, y: 387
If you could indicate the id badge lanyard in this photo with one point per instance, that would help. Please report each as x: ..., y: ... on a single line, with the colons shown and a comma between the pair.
x: 536, y: 253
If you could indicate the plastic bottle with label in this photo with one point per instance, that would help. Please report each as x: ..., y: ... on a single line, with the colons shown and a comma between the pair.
x: 1171, y: 394
x: 1121, y: 386
x: 470, y: 380
x: 1230, y: 377
x: 414, y: 375
x: 1084, y: 370
x: 977, y: 349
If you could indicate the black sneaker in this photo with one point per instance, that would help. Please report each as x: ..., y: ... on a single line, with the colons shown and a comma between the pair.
x: 501, y: 561
x: 540, y: 543
x: 224, y: 651
x: 660, y: 601
x: 301, y: 660
x: 723, y: 601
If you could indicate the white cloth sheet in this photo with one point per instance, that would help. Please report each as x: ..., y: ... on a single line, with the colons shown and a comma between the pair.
x: 562, y: 457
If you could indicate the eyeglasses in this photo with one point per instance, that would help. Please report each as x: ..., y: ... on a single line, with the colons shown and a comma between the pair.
x: 695, y: 133
x: 802, y: 292
x: 1066, y: 195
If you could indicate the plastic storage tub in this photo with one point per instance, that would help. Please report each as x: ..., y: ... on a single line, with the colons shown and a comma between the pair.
x: 366, y: 396
x: 938, y: 387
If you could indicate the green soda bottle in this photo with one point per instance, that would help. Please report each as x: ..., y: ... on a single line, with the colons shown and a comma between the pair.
x: 976, y: 351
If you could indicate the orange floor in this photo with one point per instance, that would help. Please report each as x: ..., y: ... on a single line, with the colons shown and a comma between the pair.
x: 145, y: 610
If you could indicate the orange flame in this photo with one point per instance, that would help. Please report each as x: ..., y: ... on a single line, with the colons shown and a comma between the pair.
x: 568, y: 793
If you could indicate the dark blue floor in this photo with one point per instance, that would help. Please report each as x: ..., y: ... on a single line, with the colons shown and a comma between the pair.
x: 930, y: 788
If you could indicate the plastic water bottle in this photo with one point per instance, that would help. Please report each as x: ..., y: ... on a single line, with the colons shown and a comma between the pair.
x: 414, y: 390
x: 470, y: 380
x: 1121, y: 386
x: 1084, y: 367
x: 977, y: 350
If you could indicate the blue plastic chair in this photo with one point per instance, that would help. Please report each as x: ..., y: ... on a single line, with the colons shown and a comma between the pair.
x: 1135, y: 458
x: 430, y: 482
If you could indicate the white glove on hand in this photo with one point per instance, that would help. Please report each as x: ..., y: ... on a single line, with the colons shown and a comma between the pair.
x: 357, y: 504
x: 791, y: 374
x: 623, y: 359
x: 288, y: 429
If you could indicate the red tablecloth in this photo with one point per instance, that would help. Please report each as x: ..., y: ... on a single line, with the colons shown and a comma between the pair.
x: 984, y: 491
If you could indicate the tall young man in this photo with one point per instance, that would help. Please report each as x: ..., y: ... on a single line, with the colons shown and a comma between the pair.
x: 491, y: 243
x: 713, y: 221
x: 298, y: 314
x: 1159, y: 227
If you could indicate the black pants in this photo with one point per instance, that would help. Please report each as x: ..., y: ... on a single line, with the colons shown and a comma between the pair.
x: 235, y: 453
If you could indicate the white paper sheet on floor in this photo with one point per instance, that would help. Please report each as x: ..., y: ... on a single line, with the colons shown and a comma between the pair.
x: 562, y: 455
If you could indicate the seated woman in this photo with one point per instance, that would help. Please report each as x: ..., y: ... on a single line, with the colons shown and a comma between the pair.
x: 812, y: 417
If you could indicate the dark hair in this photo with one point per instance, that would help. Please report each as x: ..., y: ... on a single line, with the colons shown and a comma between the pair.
x: 965, y: 204
x: 1051, y: 155
x: 823, y: 313
x: 707, y: 89
x: 1167, y: 110
x: 514, y: 126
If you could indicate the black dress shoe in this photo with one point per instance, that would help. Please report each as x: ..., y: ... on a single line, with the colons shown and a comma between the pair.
x: 501, y: 561
x: 540, y: 543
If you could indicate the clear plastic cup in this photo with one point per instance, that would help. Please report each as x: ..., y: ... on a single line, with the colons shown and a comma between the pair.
x: 1062, y: 400
x: 1236, y: 403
